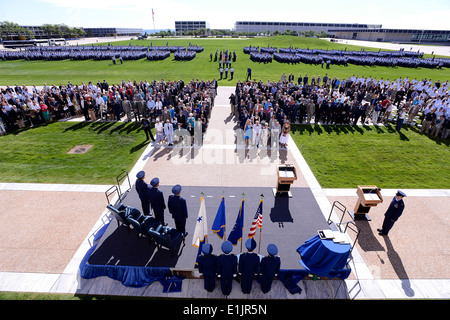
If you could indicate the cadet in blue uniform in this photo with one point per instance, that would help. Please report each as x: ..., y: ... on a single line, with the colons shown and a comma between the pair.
x: 226, y: 267
x: 178, y: 208
x: 270, y: 266
x: 248, y: 266
x: 392, y: 214
x: 156, y: 198
x: 142, y: 190
x: 207, y: 263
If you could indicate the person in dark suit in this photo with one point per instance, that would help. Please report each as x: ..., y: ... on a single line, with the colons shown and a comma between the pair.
x: 148, y: 131
x: 207, y: 264
x: 156, y: 199
x: 178, y: 208
x: 248, y: 266
x: 142, y: 190
x: 392, y: 214
x: 270, y: 266
x: 227, y: 264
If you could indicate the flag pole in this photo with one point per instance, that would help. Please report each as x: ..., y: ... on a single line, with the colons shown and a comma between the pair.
x: 202, y: 198
x: 260, y: 229
x: 225, y: 228
x: 243, y: 197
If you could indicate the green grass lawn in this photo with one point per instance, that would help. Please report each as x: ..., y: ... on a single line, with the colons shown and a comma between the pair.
x: 40, y: 155
x: 348, y: 156
x: 56, y: 72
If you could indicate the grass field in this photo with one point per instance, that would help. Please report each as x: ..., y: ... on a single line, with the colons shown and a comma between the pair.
x: 348, y: 156
x: 56, y: 72
x: 40, y: 155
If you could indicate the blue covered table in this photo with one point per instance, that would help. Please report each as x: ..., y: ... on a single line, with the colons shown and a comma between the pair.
x: 324, y: 257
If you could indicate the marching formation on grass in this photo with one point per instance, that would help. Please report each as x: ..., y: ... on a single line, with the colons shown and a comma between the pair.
x: 102, y: 53
x: 399, y: 58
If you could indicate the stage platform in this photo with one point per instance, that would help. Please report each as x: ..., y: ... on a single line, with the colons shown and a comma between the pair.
x: 287, y: 222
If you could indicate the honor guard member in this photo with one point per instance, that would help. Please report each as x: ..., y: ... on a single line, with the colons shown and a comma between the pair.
x: 270, y: 266
x: 142, y: 190
x: 178, y: 208
x: 392, y: 214
x: 207, y: 263
x: 227, y: 265
x: 156, y: 199
x: 249, y: 263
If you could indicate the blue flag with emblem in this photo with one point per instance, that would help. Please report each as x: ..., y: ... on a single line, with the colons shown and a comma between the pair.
x: 236, y: 233
x: 219, y: 224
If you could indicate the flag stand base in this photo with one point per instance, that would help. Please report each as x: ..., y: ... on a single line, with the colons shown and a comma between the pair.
x: 283, y: 194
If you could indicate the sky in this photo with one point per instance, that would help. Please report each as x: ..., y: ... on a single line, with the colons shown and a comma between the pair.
x: 391, y: 14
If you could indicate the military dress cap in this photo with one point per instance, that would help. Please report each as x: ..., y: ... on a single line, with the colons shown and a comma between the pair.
x: 272, y: 249
x: 250, y: 244
x: 207, y: 249
x: 176, y: 189
x: 154, y: 182
x: 140, y: 174
x: 227, y: 247
x: 401, y: 193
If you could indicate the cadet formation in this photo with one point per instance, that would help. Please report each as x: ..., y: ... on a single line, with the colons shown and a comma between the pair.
x: 399, y: 58
x: 114, y: 53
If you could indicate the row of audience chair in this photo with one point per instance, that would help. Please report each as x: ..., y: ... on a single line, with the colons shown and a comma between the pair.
x: 147, y: 226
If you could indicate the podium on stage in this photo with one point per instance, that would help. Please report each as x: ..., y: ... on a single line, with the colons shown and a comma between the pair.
x: 368, y: 197
x: 286, y: 175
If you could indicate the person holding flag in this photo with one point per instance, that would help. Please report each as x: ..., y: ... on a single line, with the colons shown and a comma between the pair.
x: 227, y: 264
x: 219, y: 224
x: 270, y: 266
x: 201, y: 229
x: 207, y: 265
x: 249, y: 263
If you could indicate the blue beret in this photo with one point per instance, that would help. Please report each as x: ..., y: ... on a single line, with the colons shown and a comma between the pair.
x: 140, y: 174
x: 250, y: 244
x: 176, y: 189
x: 154, y: 182
x: 401, y: 193
x: 207, y: 249
x: 272, y: 249
x: 227, y: 247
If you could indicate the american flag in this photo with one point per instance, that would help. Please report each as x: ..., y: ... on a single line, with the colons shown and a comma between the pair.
x: 257, y: 220
x: 153, y: 14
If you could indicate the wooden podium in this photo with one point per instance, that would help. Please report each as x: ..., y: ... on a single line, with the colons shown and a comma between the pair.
x: 368, y: 197
x: 286, y: 175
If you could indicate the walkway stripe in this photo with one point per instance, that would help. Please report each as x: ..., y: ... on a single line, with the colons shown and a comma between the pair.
x: 53, y: 187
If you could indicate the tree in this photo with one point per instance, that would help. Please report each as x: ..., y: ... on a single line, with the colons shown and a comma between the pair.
x: 11, y: 30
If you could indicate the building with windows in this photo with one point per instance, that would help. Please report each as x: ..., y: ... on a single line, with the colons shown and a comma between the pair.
x: 394, y: 35
x: 112, y: 32
x: 181, y: 26
x: 271, y: 26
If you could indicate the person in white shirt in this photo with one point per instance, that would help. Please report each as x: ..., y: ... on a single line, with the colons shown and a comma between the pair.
x: 256, y: 134
x: 168, y: 132
x: 159, y: 131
